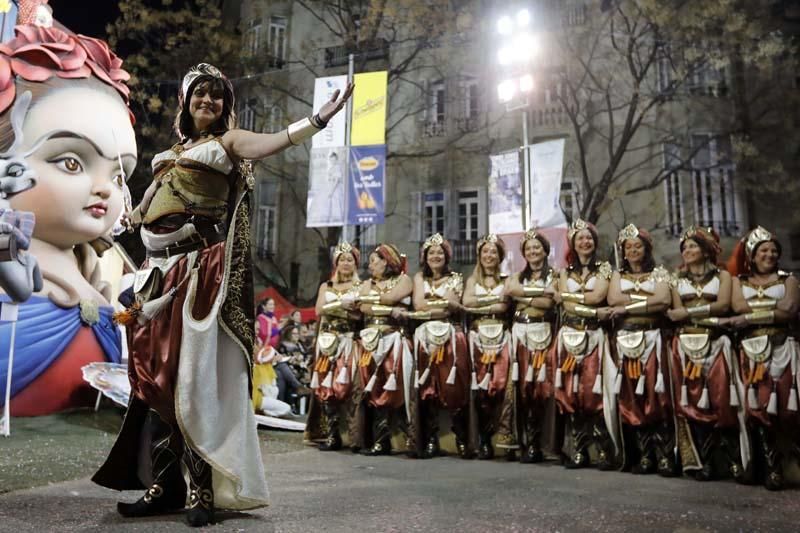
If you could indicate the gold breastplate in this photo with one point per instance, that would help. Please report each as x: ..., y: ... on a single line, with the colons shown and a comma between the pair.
x: 190, y: 191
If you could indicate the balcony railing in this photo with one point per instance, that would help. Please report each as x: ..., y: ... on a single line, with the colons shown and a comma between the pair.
x: 464, y: 252
x: 434, y: 129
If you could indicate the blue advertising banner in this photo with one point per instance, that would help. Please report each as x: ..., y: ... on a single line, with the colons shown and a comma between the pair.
x: 367, y: 177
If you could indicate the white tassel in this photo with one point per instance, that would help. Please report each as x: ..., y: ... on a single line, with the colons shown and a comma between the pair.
x: 792, y: 405
x: 703, y: 403
x: 752, y: 399
x: 315, y: 380
x: 684, y: 395
x: 660, y: 383
x: 733, y: 394
x: 424, y: 377
x: 371, y: 383
x: 575, y: 383
x: 618, y: 383
x: 484, y: 384
x: 416, y: 379
x: 542, y: 374
x: 451, y: 377
x: 598, y: 384
x: 474, y: 382
x: 153, y: 308
x: 515, y: 372
x: 391, y: 383
x: 529, y: 374
x: 328, y: 381
x: 772, y: 406
x: 640, y: 386
x: 559, y: 380
x: 342, y: 377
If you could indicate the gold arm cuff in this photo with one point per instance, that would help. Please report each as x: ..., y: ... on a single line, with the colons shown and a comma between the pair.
x: 532, y: 292
x: 638, y: 297
x: 381, y: 310
x: 370, y: 299
x: 641, y: 305
x: 332, y: 306
x: 484, y: 310
x: 437, y: 304
x: 699, y: 310
x: 488, y: 299
x: 706, y: 321
x: 763, y: 304
x: 420, y: 315
x: 583, y: 310
x: 135, y: 216
x: 576, y: 297
x: 760, y: 317
x: 301, y: 130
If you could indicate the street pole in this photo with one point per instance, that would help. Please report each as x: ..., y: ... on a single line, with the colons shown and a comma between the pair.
x: 526, y: 170
x: 347, y: 126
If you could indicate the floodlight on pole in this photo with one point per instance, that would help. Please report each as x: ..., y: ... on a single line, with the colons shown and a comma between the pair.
x: 526, y: 83
x: 506, y: 90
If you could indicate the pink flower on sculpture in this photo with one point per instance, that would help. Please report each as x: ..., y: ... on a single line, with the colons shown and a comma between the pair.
x: 105, y: 64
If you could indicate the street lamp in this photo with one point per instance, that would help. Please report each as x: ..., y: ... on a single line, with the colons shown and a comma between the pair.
x: 517, y: 50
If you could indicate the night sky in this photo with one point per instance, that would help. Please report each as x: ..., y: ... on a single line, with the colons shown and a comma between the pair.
x: 88, y: 17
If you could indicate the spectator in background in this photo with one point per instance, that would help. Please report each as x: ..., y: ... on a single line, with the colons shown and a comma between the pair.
x: 295, y: 353
x: 268, y: 329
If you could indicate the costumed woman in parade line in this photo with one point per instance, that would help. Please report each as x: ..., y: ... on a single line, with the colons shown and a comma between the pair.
x: 494, y: 375
x: 533, y: 340
x: 583, y: 359
x: 191, y: 328
x: 707, y: 389
x: 385, y: 362
x: 440, y: 349
x: 765, y: 300
x: 639, y: 294
x: 65, y: 121
x: 336, y: 357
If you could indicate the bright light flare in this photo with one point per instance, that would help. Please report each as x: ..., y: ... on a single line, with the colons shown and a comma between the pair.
x: 505, y: 25
x: 506, y: 90
x: 523, y: 18
x: 524, y: 47
x: 506, y: 55
x: 526, y: 83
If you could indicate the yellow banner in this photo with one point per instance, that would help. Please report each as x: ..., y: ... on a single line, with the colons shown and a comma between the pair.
x: 369, y: 109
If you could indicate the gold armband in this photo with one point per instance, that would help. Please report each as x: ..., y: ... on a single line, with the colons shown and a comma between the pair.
x: 699, y: 310
x: 489, y: 299
x: 760, y: 317
x: 583, y: 310
x: 301, y: 130
x: 576, y: 297
x: 484, y: 310
x: 763, y: 304
x: 370, y: 299
x: 381, y: 310
x: 332, y: 306
x: 437, y: 304
x: 641, y: 305
x: 533, y: 291
x: 709, y: 321
x: 638, y: 297
x: 135, y: 217
x: 420, y: 315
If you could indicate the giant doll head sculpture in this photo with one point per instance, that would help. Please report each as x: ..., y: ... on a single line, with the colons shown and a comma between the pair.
x: 63, y: 104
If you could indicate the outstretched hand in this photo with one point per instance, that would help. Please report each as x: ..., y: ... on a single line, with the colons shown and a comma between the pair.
x: 335, y: 104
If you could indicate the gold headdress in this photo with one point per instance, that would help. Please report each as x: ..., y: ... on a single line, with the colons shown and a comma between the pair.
x: 756, y: 237
x: 201, y: 69
x: 577, y: 225
x: 628, y: 232
x: 343, y: 247
x: 695, y: 231
x: 491, y: 238
x: 434, y: 240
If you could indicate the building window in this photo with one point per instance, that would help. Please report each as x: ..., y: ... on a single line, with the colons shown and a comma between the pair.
x: 575, y: 15
x: 274, y: 122
x: 248, y: 115
x: 366, y: 238
x: 277, y: 41
x: 252, y: 37
x: 433, y: 213
x: 569, y: 198
x: 664, y: 70
x: 716, y: 202
x: 267, y: 221
x: 672, y: 190
x: 705, y: 79
x: 468, y: 215
x: 437, y: 102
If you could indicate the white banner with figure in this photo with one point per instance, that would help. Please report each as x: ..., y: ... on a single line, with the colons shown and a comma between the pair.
x: 547, y: 165
x: 327, y: 182
x: 334, y: 132
x: 505, y: 193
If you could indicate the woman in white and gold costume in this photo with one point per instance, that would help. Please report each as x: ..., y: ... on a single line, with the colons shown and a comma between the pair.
x: 385, y: 363
x: 336, y: 355
x: 639, y: 293
x: 494, y: 375
x: 533, y: 339
x: 583, y: 360
x: 440, y: 348
x: 765, y: 300
x: 707, y: 390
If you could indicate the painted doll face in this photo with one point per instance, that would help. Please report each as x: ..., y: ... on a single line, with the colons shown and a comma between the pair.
x: 78, y: 196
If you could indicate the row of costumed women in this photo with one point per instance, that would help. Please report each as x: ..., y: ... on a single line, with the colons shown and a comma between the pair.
x: 638, y: 369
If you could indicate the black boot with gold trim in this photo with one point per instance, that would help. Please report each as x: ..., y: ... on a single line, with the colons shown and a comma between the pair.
x: 382, y: 434
x: 200, y: 511
x: 333, y: 441
x: 168, y: 490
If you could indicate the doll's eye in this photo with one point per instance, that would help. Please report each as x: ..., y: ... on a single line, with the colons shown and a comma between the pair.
x: 69, y: 164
